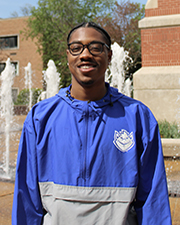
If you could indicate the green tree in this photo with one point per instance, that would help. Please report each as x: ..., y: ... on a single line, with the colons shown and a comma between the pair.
x: 52, y: 20
x: 123, y: 29
x: 23, y: 97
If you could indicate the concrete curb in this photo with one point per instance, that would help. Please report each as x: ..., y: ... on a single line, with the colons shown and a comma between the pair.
x: 171, y: 147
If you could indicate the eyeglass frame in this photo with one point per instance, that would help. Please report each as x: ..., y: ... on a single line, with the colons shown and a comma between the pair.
x: 87, y: 46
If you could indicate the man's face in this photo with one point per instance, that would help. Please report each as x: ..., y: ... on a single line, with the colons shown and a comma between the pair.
x: 87, y: 69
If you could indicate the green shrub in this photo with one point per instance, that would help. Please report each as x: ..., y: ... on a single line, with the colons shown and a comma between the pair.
x: 23, y: 97
x: 169, y: 130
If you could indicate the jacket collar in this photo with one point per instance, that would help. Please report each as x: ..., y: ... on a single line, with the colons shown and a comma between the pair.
x: 111, y: 96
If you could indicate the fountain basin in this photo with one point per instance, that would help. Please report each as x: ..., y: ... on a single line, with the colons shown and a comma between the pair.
x: 171, y: 152
x: 171, y: 147
x: 20, y: 110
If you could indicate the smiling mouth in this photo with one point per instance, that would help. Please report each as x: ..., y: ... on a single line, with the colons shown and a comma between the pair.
x: 86, y: 69
x: 87, y: 65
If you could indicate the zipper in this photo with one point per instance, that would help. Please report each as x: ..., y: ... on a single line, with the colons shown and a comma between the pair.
x: 84, y: 170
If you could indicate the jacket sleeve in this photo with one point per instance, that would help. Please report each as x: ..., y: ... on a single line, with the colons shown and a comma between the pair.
x: 152, y: 201
x: 27, y: 207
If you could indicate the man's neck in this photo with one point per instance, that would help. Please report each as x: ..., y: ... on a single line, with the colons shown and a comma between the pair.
x: 88, y: 93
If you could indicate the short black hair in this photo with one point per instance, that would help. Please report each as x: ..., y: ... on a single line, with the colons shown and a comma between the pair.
x: 93, y: 25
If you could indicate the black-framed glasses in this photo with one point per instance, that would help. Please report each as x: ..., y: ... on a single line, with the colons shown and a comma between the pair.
x: 95, y: 47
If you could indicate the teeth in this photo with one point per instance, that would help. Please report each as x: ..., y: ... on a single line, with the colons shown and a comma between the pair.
x: 85, y: 67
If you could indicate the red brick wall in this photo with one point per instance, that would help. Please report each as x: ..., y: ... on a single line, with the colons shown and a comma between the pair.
x: 165, y: 7
x: 27, y: 52
x: 160, y: 46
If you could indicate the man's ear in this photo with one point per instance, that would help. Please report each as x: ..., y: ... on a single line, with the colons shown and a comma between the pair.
x: 67, y: 52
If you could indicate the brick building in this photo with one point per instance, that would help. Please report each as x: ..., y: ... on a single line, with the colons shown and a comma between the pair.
x: 157, y: 83
x: 20, y: 51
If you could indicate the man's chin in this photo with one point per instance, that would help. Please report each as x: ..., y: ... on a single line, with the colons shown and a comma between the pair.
x: 87, y: 83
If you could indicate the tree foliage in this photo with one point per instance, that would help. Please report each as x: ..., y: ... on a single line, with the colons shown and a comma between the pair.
x: 52, y: 20
x: 24, y: 11
x: 23, y: 97
x: 122, y: 26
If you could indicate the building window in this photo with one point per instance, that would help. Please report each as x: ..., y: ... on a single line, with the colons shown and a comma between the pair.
x: 15, y: 92
x: 16, y: 65
x: 9, y: 42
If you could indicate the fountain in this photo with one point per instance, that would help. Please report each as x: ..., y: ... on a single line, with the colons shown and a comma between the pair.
x: 28, y: 82
x: 51, y: 76
x: 52, y: 79
x: 115, y: 74
x: 8, y: 126
x: 6, y: 113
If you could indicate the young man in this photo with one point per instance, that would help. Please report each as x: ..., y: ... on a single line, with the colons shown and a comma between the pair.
x: 90, y: 155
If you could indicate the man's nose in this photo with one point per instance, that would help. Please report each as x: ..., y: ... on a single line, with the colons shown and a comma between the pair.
x: 85, y: 52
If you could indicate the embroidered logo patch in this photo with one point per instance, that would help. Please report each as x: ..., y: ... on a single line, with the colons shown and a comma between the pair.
x: 123, y: 140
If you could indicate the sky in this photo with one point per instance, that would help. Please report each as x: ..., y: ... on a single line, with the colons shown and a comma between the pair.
x: 7, y: 7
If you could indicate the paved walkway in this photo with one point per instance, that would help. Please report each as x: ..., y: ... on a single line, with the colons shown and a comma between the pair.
x: 175, y: 209
x: 7, y: 188
x: 6, y: 199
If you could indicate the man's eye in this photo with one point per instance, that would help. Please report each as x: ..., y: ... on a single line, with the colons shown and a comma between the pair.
x: 76, y: 48
x: 95, y: 48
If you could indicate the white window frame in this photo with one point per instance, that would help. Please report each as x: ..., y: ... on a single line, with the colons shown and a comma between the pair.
x: 10, y: 35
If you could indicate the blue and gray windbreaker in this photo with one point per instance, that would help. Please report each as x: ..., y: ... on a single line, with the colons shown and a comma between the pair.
x: 87, y: 163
